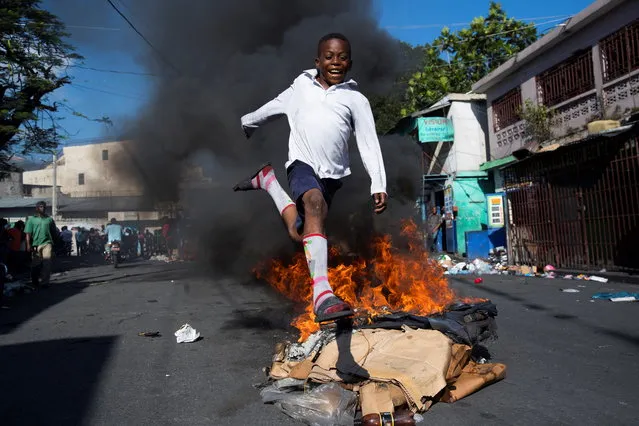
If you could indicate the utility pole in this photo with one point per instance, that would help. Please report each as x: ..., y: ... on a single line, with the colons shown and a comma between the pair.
x: 54, y: 196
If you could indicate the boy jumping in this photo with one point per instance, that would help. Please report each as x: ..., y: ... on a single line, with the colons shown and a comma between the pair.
x: 322, y: 110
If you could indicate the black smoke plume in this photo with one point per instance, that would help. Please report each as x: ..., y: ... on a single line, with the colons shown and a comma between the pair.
x: 218, y: 60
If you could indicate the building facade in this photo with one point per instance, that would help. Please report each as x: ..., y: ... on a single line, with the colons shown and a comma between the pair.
x: 101, y: 169
x: 452, y: 134
x: 11, y: 185
x: 585, y: 69
x: 572, y: 197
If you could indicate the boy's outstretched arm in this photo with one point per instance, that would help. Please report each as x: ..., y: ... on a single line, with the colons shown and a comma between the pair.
x: 370, y: 151
x: 269, y: 111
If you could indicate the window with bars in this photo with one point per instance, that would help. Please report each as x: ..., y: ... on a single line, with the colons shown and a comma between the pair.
x: 566, y: 80
x: 620, y: 52
x: 506, y: 109
x: 80, y: 178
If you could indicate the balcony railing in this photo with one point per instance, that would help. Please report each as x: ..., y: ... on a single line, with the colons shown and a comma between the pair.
x: 566, y: 80
x: 506, y: 109
x: 620, y: 52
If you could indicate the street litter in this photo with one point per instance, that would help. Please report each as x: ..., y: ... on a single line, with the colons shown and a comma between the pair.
x: 570, y: 290
x: 386, y: 368
x: 149, y: 334
x: 498, y: 264
x: 187, y: 334
x: 478, y: 280
x: 620, y: 296
x: 160, y: 258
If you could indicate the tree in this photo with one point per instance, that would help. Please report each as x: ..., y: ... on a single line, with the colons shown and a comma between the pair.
x: 33, y: 55
x: 456, y: 60
x: 387, y: 109
x: 537, y: 122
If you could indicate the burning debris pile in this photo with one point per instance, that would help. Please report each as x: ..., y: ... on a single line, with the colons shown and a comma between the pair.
x: 411, y: 343
x: 391, y: 281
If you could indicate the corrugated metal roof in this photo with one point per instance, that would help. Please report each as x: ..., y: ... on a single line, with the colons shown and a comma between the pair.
x: 21, y: 202
x: 107, y: 204
x: 68, y: 204
x: 442, y: 103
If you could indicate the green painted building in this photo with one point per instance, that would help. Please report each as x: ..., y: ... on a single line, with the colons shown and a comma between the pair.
x: 453, y: 137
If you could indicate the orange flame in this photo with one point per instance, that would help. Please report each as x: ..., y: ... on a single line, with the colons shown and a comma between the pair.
x: 393, y: 280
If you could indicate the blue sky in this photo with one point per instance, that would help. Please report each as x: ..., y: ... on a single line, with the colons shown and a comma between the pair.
x: 119, y: 96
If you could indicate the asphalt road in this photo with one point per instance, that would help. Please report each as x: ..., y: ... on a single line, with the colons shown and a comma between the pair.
x: 71, y: 354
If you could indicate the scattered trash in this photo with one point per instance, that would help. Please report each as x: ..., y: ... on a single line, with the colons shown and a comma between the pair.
x: 568, y: 277
x: 620, y: 296
x: 187, y: 334
x: 326, y: 404
x: 598, y: 279
x: 570, y: 290
x: 623, y: 299
x: 149, y: 334
x: 479, y: 280
x: 549, y: 268
x: 603, y: 270
x: 401, y: 364
x: 160, y: 258
x: 168, y: 375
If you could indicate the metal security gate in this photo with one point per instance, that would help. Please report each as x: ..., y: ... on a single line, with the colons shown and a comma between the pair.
x: 577, y: 207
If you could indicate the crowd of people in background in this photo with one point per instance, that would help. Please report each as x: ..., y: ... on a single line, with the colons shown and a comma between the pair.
x: 31, y: 245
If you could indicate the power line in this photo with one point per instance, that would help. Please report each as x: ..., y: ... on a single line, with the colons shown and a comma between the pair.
x: 160, y: 55
x: 510, y: 31
x: 80, y: 86
x: 113, y: 71
x: 461, y: 24
x: 87, y: 27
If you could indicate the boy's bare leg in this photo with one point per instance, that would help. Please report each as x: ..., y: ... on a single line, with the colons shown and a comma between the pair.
x: 325, y: 304
x: 289, y: 216
x: 265, y: 179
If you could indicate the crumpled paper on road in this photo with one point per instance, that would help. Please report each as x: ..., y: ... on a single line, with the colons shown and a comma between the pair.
x: 187, y: 334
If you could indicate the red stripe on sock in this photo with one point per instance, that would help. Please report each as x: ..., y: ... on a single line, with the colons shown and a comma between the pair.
x: 286, y: 208
x: 322, y: 294
x: 269, y: 181
x: 314, y: 235
x: 319, y: 280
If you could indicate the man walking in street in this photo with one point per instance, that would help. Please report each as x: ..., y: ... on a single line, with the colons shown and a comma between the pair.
x: 41, y: 233
x: 433, y: 224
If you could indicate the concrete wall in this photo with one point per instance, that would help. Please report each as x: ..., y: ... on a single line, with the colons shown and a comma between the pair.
x: 575, y: 112
x: 11, y: 185
x: 468, y: 150
x: 114, y: 176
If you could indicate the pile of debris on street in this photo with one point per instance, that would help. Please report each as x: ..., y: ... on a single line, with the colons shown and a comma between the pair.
x: 497, y: 264
x: 384, y: 369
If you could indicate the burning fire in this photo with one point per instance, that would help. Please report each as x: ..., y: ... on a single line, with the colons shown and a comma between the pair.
x: 406, y: 281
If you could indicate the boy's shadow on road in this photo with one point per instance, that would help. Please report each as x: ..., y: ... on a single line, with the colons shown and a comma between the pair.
x: 348, y: 369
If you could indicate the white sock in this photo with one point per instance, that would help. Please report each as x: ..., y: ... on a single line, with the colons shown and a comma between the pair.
x: 316, y: 250
x: 267, y: 180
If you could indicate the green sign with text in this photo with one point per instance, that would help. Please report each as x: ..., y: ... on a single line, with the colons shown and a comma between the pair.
x: 434, y: 129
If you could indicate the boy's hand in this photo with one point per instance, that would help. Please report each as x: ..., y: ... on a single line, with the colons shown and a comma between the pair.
x: 380, y: 202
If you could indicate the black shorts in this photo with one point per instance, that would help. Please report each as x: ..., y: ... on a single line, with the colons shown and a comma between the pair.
x: 302, y: 178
